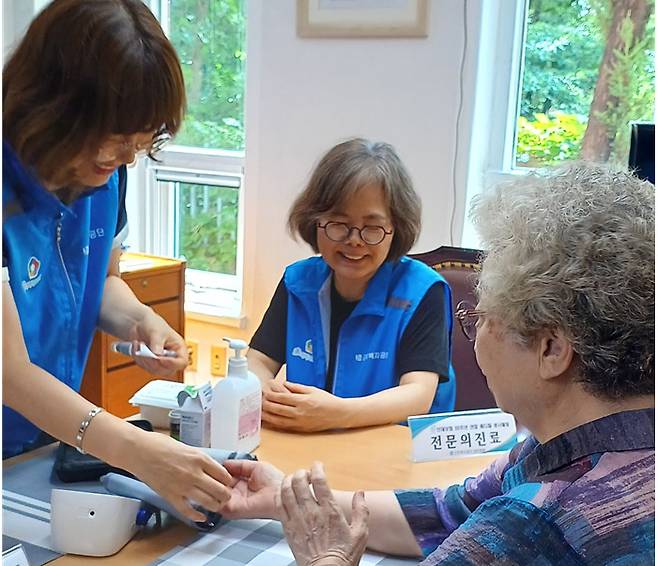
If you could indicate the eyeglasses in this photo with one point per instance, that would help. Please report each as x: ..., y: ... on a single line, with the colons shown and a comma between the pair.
x: 468, y: 315
x: 112, y: 149
x: 340, y: 232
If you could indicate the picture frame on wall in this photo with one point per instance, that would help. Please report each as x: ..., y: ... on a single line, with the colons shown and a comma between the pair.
x: 362, y: 18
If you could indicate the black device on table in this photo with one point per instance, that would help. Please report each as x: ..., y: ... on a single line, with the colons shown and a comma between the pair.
x: 72, y: 466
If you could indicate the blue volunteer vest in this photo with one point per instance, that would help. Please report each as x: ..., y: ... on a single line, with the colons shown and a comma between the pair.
x: 57, y: 257
x: 366, y: 355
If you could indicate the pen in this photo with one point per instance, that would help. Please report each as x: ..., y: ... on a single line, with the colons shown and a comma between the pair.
x: 126, y: 348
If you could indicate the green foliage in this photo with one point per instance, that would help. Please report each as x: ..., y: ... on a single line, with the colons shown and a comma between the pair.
x: 208, y: 227
x: 563, y: 51
x: 549, y: 138
x: 561, y: 58
x: 633, y: 65
x: 565, y: 40
x: 209, y: 36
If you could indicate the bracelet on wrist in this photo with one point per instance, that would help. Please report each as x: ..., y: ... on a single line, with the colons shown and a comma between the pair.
x: 84, y: 425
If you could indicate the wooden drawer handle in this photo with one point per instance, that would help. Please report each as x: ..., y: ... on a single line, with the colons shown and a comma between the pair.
x: 145, y: 283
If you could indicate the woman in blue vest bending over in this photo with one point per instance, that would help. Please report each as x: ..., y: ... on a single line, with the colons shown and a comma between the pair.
x: 92, y: 85
x: 364, y: 332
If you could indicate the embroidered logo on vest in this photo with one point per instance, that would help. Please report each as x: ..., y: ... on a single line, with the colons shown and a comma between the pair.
x: 33, y: 275
x: 306, y: 354
x: 33, y: 267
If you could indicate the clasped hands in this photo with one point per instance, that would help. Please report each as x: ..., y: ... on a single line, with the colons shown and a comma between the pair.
x: 300, y: 408
x: 314, y: 524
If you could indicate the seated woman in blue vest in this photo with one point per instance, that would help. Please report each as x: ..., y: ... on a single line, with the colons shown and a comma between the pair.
x: 364, y: 332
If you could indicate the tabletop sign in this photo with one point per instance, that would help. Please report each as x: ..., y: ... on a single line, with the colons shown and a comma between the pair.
x: 443, y: 436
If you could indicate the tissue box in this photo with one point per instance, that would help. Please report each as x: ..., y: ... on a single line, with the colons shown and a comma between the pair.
x: 156, y: 399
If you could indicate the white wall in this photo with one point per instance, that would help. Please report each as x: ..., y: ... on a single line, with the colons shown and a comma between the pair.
x: 16, y: 16
x: 305, y: 95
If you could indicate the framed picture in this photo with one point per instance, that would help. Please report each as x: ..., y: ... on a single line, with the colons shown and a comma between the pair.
x: 362, y: 18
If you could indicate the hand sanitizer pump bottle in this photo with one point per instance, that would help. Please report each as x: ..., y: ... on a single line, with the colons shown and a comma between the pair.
x: 236, y: 405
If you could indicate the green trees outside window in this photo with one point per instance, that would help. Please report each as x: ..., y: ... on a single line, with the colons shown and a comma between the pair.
x: 589, y: 71
x: 208, y: 228
x: 209, y: 36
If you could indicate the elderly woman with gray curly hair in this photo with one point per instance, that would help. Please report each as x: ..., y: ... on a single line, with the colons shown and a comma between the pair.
x: 564, y: 333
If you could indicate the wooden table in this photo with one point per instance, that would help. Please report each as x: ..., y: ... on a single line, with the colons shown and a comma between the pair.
x: 371, y: 458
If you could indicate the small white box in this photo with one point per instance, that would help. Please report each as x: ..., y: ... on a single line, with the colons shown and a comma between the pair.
x: 156, y: 399
x: 195, y: 404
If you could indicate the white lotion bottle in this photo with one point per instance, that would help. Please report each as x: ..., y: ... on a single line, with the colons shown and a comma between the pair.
x: 236, y: 405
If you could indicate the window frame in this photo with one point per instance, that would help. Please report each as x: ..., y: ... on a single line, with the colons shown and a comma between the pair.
x: 207, y: 293
x: 506, y: 101
x: 497, y: 99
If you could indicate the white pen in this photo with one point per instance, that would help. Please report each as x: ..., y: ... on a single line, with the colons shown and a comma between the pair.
x: 126, y: 348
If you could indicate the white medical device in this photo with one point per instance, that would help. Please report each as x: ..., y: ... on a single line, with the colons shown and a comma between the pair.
x: 91, y: 524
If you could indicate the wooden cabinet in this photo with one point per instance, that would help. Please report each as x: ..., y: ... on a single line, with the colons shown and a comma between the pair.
x: 111, y: 379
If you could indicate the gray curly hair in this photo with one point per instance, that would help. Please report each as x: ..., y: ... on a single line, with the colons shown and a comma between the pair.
x: 573, y: 248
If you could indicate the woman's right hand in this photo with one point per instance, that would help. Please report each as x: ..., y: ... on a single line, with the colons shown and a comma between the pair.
x: 182, y: 474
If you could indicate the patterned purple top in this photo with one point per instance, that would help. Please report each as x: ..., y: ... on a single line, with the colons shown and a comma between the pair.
x: 584, y: 498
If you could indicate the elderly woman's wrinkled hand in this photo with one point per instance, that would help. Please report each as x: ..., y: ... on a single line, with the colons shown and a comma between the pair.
x: 315, y: 526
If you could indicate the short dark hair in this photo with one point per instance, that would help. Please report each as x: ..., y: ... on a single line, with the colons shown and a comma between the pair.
x: 87, y: 69
x: 348, y: 167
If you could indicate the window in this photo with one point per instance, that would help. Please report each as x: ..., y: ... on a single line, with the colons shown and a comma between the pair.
x: 537, y: 69
x: 566, y: 109
x: 194, y: 192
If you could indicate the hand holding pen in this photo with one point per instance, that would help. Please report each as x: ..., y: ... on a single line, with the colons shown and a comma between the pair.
x: 152, y: 335
x: 127, y: 349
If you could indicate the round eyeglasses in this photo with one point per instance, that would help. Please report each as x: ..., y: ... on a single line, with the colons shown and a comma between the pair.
x: 340, y: 232
x: 112, y: 149
x: 468, y: 316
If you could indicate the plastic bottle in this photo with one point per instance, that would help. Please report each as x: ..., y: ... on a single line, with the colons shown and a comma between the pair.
x: 236, y: 405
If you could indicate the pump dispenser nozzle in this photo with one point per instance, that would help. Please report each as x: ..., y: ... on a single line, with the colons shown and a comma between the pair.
x: 236, y: 405
x: 237, y: 364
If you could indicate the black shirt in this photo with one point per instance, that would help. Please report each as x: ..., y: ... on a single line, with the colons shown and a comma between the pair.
x: 423, y: 347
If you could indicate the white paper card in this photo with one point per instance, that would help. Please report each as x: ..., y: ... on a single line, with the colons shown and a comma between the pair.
x: 443, y: 436
x: 14, y: 556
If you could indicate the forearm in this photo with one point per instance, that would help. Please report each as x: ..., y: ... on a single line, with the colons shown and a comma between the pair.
x: 57, y: 409
x: 388, y: 530
x: 50, y: 404
x: 121, y: 311
x: 390, y: 406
